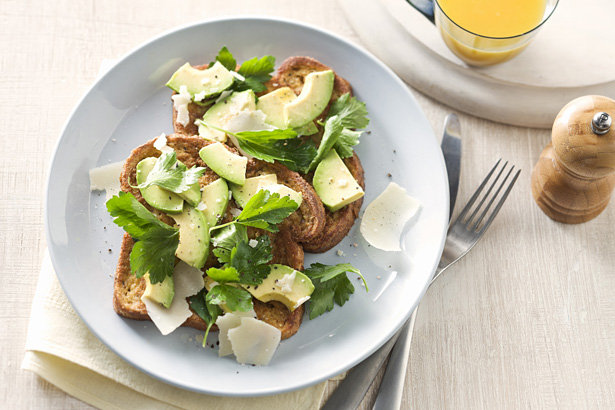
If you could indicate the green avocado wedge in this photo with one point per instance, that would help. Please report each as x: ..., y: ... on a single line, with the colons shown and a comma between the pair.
x: 223, y: 162
x: 223, y: 111
x: 162, y: 292
x: 206, y: 83
x: 215, y: 197
x: 312, y: 101
x: 243, y: 193
x: 193, y: 245
x: 334, y: 183
x: 283, y: 284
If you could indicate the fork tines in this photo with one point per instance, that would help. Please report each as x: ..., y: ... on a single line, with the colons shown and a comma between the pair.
x: 474, y: 222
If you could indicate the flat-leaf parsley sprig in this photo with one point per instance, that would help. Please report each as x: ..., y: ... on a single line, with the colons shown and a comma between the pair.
x: 252, y: 74
x: 155, y: 241
x: 331, y: 286
x: 172, y: 175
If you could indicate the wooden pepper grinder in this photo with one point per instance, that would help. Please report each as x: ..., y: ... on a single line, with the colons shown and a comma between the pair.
x: 574, y: 177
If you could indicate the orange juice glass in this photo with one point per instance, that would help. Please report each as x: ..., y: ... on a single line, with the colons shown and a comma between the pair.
x: 488, y: 32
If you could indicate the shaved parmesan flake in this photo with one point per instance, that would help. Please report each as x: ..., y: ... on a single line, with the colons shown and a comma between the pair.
x: 223, y: 96
x: 238, y: 76
x: 286, y: 283
x: 161, y: 144
x: 106, y: 178
x: 188, y: 282
x: 301, y: 301
x: 254, y: 341
x: 180, y: 103
x: 225, y: 323
x: 199, y: 96
x: 248, y: 120
x: 384, y: 219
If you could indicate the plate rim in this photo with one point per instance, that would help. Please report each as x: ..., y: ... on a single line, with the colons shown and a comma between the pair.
x: 173, y: 31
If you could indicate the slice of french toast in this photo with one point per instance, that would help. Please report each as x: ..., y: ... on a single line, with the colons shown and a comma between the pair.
x: 128, y: 289
x: 337, y: 224
x: 292, y: 73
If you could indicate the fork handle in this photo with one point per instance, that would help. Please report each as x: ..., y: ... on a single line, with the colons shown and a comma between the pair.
x: 392, y: 385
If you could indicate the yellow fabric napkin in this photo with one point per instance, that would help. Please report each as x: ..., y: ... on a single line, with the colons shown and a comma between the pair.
x: 62, y: 350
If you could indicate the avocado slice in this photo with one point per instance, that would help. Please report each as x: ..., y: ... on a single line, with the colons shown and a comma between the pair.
x: 272, y: 104
x: 215, y: 199
x: 192, y: 195
x: 221, y: 113
x: 206, y: 83
x: 312, y: 101
x: 243, y: 193
x: 157, y: 197
x: 193, y: 245
x: 285, y: 285
x: 334, y: 183
x: 223, y: 162
x: 162, y: 292
x: 307, y: 129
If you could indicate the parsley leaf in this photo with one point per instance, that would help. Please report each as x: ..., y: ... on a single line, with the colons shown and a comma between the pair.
x: 293, y: 152
x: 207, y: 311
x: 156, y: 242
x: 265, y: 210
x: 224, y: 274
x: 266, y: 136
x: 331, y: 286
x: 346, y: 140
x: 250, y: 261
x: 241, y: 261
x: 351, y: 111
x: 346, y: 114
x: 280, y: 145
x: 226, y: 58
x: 172, y: 175
x: 256, y: 72
x: 237, y: 299
x: 229, y: 236
x: 333, y: 129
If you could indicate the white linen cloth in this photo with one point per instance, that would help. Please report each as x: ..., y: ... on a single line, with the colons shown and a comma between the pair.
x: 62, y: 350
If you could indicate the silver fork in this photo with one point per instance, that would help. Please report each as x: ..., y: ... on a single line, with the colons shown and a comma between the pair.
x: 462, y: 235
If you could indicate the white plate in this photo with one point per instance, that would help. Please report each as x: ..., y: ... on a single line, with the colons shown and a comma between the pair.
x: 130, y: 104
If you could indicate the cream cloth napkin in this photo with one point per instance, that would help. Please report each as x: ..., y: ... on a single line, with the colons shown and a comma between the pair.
x: 62, y: 350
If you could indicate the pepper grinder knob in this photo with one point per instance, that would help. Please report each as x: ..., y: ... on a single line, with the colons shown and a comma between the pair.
x: 601, y: 123
x: 574, y: 177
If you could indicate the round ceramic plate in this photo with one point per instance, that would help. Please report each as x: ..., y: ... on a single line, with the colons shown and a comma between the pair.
x: 130, y: 105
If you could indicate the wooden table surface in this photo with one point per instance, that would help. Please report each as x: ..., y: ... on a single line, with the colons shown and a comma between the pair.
x: 526, y: 320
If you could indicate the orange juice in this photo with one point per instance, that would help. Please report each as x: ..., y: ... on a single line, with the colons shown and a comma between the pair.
x: 492, y: 31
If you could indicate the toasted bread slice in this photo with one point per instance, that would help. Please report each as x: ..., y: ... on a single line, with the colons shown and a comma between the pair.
x: 292, y: 73
x: 308, y: 221
x: 128, y: 289
x: 337, y: 224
